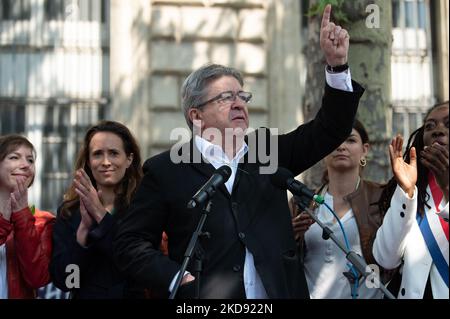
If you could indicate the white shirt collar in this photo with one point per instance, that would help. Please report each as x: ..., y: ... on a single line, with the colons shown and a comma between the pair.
x: 215, y: 154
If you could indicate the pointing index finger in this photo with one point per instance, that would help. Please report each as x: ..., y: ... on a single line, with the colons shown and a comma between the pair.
x: 326, y: 16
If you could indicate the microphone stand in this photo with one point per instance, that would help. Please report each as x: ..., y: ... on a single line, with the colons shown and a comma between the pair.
x: 188, y: 254
x: 355, y: 259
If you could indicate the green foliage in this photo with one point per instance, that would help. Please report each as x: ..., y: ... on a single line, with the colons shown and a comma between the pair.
x: 336, y: 11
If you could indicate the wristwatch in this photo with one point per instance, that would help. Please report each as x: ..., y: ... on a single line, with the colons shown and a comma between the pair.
x: 337, y: 68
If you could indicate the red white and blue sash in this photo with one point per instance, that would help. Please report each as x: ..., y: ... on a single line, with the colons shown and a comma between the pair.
x: 435, y: 230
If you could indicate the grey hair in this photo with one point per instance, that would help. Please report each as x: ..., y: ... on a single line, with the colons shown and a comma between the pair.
x: 194, y: 88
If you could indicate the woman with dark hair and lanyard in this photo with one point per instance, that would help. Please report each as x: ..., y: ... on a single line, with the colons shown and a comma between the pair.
x: 354, y: 200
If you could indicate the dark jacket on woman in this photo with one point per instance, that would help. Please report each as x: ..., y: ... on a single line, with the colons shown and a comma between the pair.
x: 98, y: 276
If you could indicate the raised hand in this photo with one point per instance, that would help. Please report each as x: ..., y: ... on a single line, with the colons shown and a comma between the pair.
x: 435, y: 158
x: 89, y: 195
x: 334, y: 40
x: 404, y: 173
x: 19, y: 197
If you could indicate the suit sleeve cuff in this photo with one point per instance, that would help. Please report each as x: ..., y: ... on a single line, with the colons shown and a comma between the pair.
x: 340, y: 81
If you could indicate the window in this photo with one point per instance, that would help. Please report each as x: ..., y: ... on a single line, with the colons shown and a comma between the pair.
x: 412, y: 64
x: 54, y: 9
x: 61, y: 143
x: 409, y: 14
x: 79, y: 10
x: 15, y: 10
x: 12, y: 117
x: 406, y: 120
x: 422, y: 15
x: 396, y: 14
x: 42, y: 91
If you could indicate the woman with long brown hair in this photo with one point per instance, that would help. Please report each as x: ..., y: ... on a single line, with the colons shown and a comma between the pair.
x: 108, y: 170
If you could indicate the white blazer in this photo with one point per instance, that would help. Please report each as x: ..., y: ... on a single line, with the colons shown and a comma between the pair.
x: 399, y: 238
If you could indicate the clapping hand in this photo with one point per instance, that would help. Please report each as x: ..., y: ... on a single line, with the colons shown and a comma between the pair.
x: 89, y: 197
x: 404, y: 173
x: 17, y: 200
x: 19, y: 197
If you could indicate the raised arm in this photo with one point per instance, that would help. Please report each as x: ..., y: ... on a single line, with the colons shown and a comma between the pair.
x: 32, y: 238
x: 391, y: 238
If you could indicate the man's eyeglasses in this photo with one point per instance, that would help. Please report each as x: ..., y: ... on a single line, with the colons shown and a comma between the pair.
x: 228, y: 97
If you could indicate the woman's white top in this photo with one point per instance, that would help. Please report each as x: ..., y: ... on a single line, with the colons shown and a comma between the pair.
x: 325, y: 262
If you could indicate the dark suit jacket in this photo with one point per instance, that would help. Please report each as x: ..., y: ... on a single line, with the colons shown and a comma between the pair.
x: 255, y: 216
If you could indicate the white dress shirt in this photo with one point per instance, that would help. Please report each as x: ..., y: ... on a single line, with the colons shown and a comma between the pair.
x: 325, y: 263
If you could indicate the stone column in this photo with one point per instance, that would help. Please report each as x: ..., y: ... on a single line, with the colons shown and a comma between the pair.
x: 370, y: 63
x: 129, y: 66
x: 284, y: 65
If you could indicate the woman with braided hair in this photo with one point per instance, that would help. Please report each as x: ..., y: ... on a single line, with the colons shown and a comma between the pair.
x: 414, y: 233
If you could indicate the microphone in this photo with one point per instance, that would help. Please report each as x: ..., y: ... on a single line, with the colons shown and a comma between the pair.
x: 220, y: 176
x: 284, y: 179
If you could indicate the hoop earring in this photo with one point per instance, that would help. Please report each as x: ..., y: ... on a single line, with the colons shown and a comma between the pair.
x: 363, y: 162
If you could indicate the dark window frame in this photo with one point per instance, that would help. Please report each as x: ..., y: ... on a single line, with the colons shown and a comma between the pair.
x: 55, y: 10
x: 15, y: 10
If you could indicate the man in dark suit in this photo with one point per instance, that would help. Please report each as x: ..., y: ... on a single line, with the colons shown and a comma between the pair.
x: 251, y: 251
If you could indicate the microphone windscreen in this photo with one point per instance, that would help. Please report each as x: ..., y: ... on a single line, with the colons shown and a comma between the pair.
x: 280, y: 178
x: 224, y: 171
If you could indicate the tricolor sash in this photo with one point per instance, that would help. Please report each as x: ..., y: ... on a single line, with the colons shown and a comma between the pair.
x: 435, y: 230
